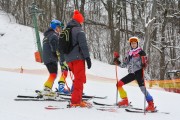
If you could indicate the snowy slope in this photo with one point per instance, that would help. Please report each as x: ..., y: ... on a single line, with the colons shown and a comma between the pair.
x: 16, y: 83
x: 17, y: 46
x: 17, y: 49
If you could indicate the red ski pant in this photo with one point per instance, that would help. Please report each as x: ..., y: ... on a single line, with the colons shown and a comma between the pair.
x: 78, y: 69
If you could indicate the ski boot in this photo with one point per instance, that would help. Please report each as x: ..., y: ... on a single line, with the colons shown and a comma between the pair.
x: 82, y: 104
x: 62, y: 89
x: 47, y: 93
x: 150, y: 107
x: 123, y: 103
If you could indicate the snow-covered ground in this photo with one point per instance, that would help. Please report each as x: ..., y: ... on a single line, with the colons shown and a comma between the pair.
x: 17, y: 49
x: 13, y: 84
x: 17, y: 45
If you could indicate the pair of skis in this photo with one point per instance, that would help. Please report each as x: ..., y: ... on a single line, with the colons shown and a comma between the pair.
x: 58, y: 97
x: 88, y: 107
x: 139, y: 110
x: 37, y: 98
x: 100, y: 109
x: 129, y: 108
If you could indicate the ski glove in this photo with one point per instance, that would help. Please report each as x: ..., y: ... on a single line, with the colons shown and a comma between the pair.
x: 116, y: 61
x: 88, y: 61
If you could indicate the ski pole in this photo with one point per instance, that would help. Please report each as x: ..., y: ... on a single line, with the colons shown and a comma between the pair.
x: 143, y: 77
x: 116, y: 55
x: 117, y: 87
x: 145, y: 93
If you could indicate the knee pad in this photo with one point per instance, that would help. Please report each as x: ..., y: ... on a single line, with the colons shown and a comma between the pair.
x: 120, y: 84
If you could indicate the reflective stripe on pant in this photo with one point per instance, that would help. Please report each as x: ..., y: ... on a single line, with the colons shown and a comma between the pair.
x: 78, y: 69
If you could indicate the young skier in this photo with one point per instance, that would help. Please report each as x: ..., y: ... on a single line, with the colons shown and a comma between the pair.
x: 51, y: 55
x: 76, y: 59
x: 135, y: 61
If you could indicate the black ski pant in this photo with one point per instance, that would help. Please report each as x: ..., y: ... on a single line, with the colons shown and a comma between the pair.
x: 52, y: 67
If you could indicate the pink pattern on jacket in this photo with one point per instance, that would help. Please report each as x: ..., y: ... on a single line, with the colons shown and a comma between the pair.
x: 133, y: 52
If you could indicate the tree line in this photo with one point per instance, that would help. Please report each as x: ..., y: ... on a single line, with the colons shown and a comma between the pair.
x: 109, y: 24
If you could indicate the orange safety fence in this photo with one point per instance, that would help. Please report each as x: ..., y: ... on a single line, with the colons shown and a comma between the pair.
x: 167, y: 85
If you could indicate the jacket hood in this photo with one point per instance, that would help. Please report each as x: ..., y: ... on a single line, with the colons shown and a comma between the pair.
x: 49, y: 30
x: 73, y: 23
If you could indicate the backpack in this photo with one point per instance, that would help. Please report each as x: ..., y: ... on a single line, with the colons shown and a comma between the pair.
x: 65, y: 40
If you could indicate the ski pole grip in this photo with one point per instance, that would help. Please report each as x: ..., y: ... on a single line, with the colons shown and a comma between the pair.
x: 116, y: 55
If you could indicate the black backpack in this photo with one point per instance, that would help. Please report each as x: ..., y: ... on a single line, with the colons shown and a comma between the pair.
x: 65, y: 40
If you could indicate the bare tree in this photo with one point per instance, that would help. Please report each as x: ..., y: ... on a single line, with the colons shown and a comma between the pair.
x: 109, y: 24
